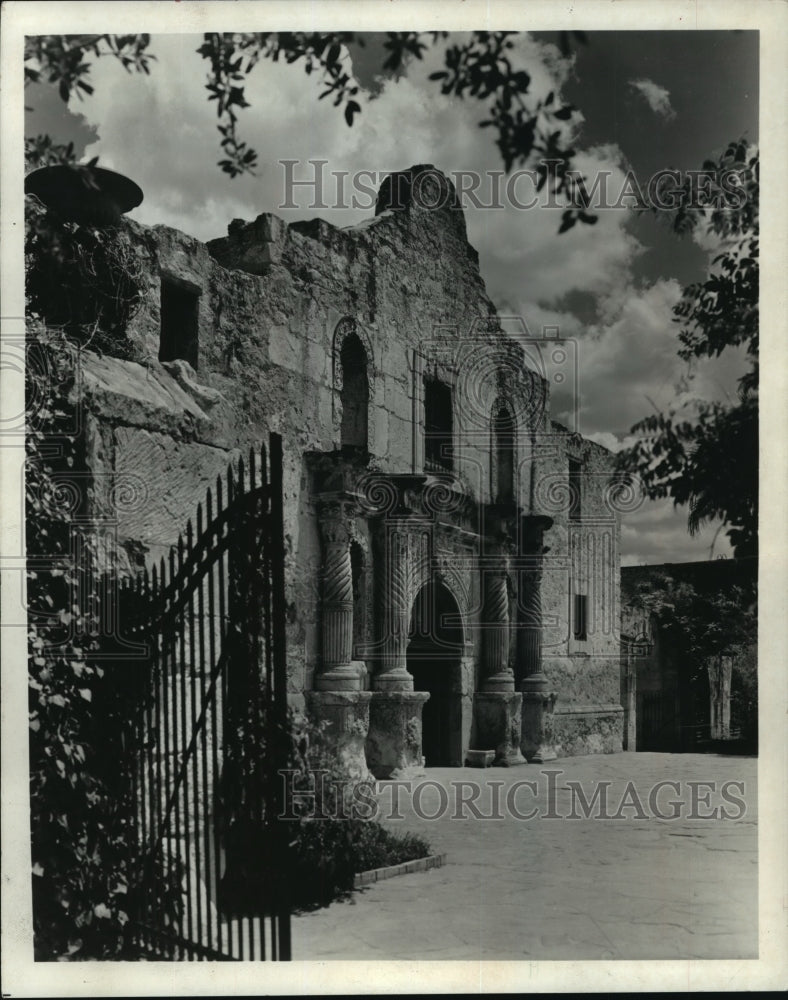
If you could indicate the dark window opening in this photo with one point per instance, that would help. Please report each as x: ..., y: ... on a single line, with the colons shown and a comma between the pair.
x: 575, y: 490
x: 580, y: 623
x: 355, y: 393
x: 503, y: 456
x: 179, y: 314
x: 438, y: 426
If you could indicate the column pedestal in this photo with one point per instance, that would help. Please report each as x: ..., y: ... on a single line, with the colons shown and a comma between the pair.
x: 394, y: 741
x: 347, y: 715
x: 537, y: 715
x: 498, y: 725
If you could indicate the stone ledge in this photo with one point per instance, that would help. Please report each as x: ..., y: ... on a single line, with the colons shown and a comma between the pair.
x: 404, y: 868
x: 601, y: 709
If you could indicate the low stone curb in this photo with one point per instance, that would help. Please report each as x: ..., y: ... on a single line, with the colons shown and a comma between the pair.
x: 405, y: 868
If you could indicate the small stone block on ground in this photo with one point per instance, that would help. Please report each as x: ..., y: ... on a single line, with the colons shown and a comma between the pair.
x: 479, y: 758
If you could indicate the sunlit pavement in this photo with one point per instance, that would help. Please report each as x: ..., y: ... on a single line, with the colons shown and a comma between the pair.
x: 565, y: 888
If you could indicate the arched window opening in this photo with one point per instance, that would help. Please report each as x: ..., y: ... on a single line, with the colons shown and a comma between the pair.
x: 503, y: 455
x: 355, y: 393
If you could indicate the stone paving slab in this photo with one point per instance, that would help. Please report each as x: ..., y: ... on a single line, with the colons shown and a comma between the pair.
x: 582, y: 888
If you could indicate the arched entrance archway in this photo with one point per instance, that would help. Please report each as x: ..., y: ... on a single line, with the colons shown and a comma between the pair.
x: 434, y: 651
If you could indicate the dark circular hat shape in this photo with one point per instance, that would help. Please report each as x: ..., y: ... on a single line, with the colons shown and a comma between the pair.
x: 81, y: 193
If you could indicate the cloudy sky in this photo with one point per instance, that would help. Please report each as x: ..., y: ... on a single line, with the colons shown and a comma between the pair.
x: 646, y: 100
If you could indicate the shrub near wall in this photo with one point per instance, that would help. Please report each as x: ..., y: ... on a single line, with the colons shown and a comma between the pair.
x: 327, y: 853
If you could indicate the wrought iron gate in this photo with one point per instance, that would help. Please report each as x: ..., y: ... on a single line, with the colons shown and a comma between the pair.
x: 208, y: 728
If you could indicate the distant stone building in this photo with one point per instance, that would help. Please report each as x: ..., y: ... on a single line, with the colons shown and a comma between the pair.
x: 671, y: 702
x: 452, y: 566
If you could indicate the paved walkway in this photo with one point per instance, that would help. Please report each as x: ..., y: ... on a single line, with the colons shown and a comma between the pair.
x: 583, y: 888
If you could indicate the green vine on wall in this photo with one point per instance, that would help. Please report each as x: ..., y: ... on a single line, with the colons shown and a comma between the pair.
x: 84, y: 872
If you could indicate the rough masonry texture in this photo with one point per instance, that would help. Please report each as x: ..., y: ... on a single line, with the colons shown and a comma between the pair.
x: 452, y: 553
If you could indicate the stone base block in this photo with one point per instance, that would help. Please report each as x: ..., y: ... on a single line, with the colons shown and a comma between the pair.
x: 347, y: 715
x: 479, y: 758
x: 582, y: 729
x: 498, y: 724
x: 393, y: 745
x: 536, y: 732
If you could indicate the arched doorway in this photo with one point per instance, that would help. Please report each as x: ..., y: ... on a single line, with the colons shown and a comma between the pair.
x: 434, y: 650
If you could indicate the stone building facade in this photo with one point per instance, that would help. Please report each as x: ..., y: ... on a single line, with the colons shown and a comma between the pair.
x: 452, y: 553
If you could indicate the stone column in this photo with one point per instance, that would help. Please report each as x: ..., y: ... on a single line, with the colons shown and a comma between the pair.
x: 498, y: 705
x: 498, y: 674
x: 338, y: 698
x: 392, y: 608
x: 394, y: 746
x: 720, y: 670
x: 538, y: 700
x: 338, y: 673
x: 630, y: 698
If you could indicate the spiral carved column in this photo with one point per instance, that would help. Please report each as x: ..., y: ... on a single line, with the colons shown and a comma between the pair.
x: 394, y: 745
x: 531, y: 584
x: 499, y: 675
x: 338, y: 672
x: 538, y: 700
x: 393, y: 611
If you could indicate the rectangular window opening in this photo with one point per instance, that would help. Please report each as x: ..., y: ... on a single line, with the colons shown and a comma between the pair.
x: 438, y: 426
x: 580, y: 617
x: 179, y: 315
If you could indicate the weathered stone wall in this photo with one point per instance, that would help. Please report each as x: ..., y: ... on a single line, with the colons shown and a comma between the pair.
x: 271, y: 297
x: 583, y: 558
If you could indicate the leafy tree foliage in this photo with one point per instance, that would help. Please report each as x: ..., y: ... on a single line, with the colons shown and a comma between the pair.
x: 705, y: 455
x: 703, y: 624
x: 78, y: 827
x: 480, y: 66
x: 84, y: 877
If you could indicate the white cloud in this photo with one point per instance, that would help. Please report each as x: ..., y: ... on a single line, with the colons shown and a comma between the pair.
x: 161, y: 131
x: 657, y: 98
x: 657, y: 533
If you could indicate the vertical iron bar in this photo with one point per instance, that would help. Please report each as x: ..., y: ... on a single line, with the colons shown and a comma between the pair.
x: 183, y: 793
x: 280, y: 683
x: 157, y: 651
x: 212, y: 831
x: 223, y: 639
